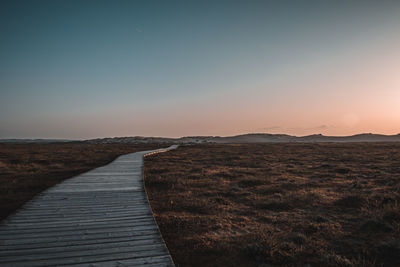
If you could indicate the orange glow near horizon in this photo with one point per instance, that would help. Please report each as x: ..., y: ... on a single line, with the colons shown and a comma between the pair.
x: 199, y: 69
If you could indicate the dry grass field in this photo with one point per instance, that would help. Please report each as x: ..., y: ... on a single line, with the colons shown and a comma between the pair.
x: 278, y: 204
x: 27, y: 169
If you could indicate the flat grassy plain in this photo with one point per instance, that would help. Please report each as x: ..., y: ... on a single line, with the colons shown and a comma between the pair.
x: 28, y: 169
x: 278, y: 204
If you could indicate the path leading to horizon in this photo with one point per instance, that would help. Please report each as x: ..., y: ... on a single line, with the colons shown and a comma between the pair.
x: 99, y: 218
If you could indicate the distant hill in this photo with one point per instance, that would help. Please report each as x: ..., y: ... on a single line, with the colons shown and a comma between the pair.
x: 39, y: 141
x: 237, y: 139
x: 251, y: 138
x: 144, y: 140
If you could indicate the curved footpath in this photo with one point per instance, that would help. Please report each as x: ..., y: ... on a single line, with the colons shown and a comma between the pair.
x: 99, y: 218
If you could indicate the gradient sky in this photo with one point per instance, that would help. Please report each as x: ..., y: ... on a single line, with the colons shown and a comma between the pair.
x: 85, y: 69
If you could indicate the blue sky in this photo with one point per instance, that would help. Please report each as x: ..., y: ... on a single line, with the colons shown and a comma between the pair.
x: 83, y: 69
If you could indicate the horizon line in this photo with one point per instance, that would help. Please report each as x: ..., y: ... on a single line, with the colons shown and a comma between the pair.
x: 199, y: 136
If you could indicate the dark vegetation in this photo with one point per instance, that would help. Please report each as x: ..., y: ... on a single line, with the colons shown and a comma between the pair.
x: 27, y: 169
x: 278, y: 204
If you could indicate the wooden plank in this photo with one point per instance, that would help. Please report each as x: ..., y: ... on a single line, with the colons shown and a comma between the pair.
x: 82, y: 218
x: 147, y: 261
x: 68, y: 212
x: 74, y: 227
x: 58, y: 240
x: 99, y: 218
x: 133, y: 228
x: 82, y: 247
x: 90, y: 250
x: 70, y: 215
x: 54, y: 243
x: 87, y: 205
x: 110, y: 255
x: 102, y: 212
x: 60, y: 223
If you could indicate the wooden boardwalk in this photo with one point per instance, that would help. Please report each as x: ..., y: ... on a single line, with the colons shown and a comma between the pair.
x: 99, y: 218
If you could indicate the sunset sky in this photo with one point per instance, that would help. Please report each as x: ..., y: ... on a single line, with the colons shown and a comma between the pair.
x: 86, y: 69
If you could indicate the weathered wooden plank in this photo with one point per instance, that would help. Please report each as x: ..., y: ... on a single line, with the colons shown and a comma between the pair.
x: 99, y: 218
x: 134, y: 228
x: 84, y: 250
x: 82, y: 247
x: 80, y: 220
x: 94, y: 200
x: 99, y: 256
x: 77, y: 211
x: 76, y: 214
x: 147, y: 261
x: 56, y: 243
x: 60, y: 229
x: 83, y: 219
x: 28, y: 226
x: 85, y: 204
x: 56, y: 240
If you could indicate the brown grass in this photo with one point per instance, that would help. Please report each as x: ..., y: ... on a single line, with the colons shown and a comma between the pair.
x: 278, y: 204
x: 27, y: 169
